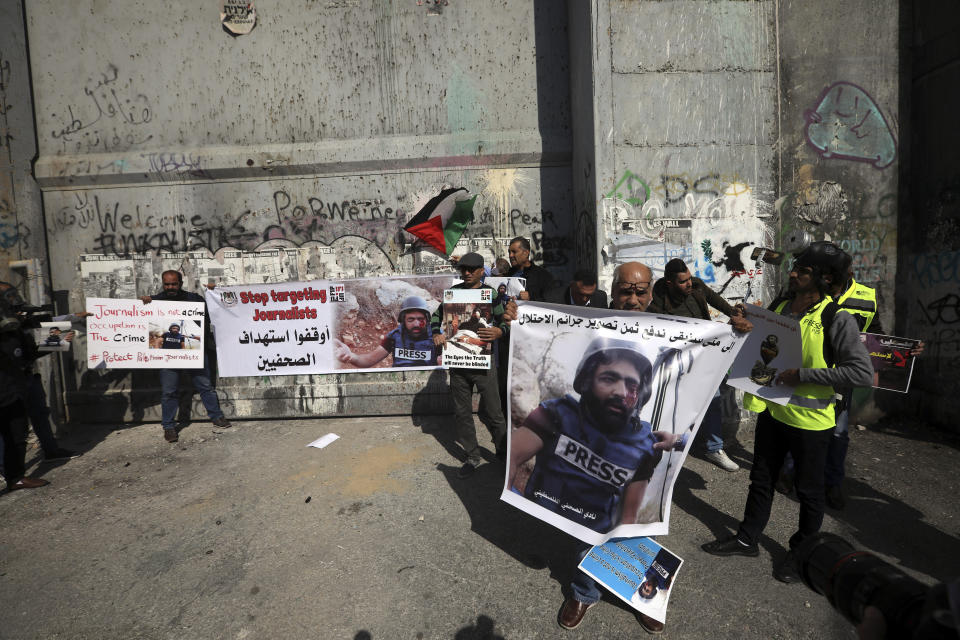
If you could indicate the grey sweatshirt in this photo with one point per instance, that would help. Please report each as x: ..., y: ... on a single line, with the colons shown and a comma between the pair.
x: 852, y: 359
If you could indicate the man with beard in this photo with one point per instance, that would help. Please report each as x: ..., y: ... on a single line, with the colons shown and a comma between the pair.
x: 170, y: 378
x: 678, y: 293
x: 409, y: 343
x: 594, y: 455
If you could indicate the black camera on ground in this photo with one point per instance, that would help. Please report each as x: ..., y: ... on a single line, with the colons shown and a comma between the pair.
x: 853, y: 580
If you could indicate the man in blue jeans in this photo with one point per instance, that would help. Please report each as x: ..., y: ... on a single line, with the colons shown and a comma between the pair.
x: 678, y: 293
x: 170, y: 378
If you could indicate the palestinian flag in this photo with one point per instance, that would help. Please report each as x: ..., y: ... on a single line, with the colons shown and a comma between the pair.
x: 441, y: 222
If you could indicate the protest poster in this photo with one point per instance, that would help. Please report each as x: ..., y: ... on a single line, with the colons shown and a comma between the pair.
x: 52, y: 336
x: 772, y: 347
x: 128, y: 334
x: 637, y: 570
x: 506, y: 288
x: 322, y: 326
x: 603, y: 407
x: 465, y: 312
x: 891, y: 359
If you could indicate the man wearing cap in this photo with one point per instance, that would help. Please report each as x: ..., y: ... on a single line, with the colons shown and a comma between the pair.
x: 463, y: 380
x: 678, y: 293
x: 832, y: 357
x: 409, y: 342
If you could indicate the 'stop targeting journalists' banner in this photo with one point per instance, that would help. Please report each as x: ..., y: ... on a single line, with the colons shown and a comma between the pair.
x: 603, y: 407
x: 364, y: 324
x: 772, y: 347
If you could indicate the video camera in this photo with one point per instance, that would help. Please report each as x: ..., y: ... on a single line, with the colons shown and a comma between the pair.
x: 853, y: 580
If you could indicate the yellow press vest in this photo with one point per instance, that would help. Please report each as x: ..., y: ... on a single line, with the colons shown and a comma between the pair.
x: 811, y: 406
x: 859, y: 300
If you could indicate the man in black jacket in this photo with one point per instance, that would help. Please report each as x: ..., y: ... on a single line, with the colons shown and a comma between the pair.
x: 170, y: 378
x: 581, y: 292
x: 539, y: 279
x: 678, y: 293
x: 17, y: 353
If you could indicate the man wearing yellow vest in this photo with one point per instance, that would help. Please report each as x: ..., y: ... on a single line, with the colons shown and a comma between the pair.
x: 832, y: 357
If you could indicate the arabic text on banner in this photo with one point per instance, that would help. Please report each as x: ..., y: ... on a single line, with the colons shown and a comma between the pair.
x: 603, y: 406
x: 772, y: 347
x: 891, y: 359
x: 465, y: 312
x: 637, y: 570
x: 320, y: 326
x: 128, y: 334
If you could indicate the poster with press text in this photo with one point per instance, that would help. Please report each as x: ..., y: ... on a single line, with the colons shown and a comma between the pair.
x: 603, y: 406
x: 323, y: 326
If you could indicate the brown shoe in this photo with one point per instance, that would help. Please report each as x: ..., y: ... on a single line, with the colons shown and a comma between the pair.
x: 170, y: 435
x: 27, y: 483
x: 223, y: 423
x: 572, y: 612
x: 649, y: 624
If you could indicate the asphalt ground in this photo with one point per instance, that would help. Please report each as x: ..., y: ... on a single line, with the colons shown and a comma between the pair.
x: 247, y: 533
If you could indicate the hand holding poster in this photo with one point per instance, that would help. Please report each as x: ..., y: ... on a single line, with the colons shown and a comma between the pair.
x: 637, y: 570
x: 465, y: 312
x: 772, y: 347
x: 892, y: 360
x: 603, y: 409
x: 128, y: 334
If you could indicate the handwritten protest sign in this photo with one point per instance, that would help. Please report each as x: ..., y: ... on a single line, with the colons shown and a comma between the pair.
x: 603, y: 406
x: 772, y: 347
x: 637, y: 570
x: 127, y: 334
x: 320, y: 326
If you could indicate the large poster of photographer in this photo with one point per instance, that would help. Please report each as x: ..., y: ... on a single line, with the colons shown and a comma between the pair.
x: 603, y: 407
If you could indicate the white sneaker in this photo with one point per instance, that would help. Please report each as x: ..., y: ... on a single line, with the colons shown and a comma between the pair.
x: 721, y: 459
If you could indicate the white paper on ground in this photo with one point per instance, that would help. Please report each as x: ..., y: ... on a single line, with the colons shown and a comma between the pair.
x: 320, y: 443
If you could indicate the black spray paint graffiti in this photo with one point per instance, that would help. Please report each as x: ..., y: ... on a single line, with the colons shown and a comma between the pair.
x: 106, y: 119
x: 945, y: 310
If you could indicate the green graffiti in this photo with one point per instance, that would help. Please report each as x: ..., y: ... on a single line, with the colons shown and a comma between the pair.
x: 632, y: 188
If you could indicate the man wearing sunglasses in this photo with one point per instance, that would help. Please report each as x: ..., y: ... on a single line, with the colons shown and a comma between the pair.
x: 832, y: 358
x: 463, y: 380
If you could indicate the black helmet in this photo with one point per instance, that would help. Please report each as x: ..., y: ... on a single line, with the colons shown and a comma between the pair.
x: 608, y: 347
x: 826, y: 258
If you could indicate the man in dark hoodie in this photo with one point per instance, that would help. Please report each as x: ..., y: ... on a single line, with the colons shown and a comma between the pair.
x: 678, y: 293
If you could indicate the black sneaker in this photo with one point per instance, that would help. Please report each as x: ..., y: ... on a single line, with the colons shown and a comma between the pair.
x: 466, y: 470
x: 170, y: 435
x: 787, y: 570
x: 59, y: 454
x: 222, y: 422
x: 731, y: 547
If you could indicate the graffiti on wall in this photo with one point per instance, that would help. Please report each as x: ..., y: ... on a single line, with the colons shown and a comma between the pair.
x: 846, y: 123
x: 709, y: 220
x: 934, y: 280
x: 109, y: 116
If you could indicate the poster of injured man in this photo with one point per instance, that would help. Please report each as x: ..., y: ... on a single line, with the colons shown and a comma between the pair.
x: 603, y: 407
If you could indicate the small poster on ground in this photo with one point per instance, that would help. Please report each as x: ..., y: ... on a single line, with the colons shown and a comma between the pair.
x: 772, y: 347
x: 637, y: 570
x: 465, y: 312
x: 128, y: 334
x: 891, y: 359
x: 52, y: 336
